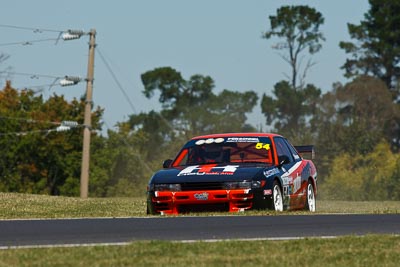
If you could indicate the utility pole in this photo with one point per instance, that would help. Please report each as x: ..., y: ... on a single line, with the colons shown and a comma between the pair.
x: 88, y: 119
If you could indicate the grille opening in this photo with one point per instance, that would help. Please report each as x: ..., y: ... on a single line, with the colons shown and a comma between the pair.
x: 161, y: 206
x: 158, y: 199
x: 202, y: 186
x: 217, y: 207
x: 243, y: 204
x: 182, y: 197
x: 241, y: 196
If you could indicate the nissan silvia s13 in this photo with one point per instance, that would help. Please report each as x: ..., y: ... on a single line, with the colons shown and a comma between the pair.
x: 235, y: 172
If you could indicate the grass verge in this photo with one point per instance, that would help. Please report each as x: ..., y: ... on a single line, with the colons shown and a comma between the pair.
x: 382, y: 250
x: 23, y: 206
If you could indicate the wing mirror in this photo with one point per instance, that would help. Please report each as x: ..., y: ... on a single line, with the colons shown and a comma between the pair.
x: 167, y: 163
x: 283, y: 160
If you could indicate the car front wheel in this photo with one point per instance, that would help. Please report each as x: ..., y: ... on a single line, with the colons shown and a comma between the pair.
x: 310, y: 201
x: 277, y: 197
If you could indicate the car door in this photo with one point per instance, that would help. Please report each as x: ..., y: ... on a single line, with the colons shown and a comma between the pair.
x: 291, y: 179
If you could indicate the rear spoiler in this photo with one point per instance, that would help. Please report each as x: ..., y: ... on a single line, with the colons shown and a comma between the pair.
x: 305, y: 150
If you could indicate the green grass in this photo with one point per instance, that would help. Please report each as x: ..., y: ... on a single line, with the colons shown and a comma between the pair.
x: 382, y: 250
x: 372, y: 250
x: 22, y: 206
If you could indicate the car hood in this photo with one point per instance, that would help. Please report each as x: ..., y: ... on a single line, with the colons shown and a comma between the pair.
x: 209, y: 173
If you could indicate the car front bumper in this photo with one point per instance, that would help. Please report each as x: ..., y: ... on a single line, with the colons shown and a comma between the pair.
x: 166, y: 202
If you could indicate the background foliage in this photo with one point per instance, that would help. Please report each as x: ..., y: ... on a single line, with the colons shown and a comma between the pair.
x: 354, y: 126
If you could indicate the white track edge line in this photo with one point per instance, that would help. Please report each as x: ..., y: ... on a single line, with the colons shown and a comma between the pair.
x: 173, y: 241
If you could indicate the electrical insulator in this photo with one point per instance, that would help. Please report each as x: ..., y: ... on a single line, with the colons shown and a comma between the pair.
x: 69, y: 123
x: 72, y: 34
x: 65, y: 82
x: 68, y: 36
x: 70, y: 80
x: 76, y: 32
x: 62, y: 128
x: 74, y: 79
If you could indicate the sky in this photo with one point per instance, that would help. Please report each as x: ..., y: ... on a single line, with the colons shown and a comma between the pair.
x: 216, y: 38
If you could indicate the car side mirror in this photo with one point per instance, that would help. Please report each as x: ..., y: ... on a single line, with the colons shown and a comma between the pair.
x: 167, y: 163
x: 283, y: 160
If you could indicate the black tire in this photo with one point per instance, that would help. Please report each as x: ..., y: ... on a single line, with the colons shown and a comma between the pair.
x: 311, y: 203
x: 277, y: 197
x: 147, y: 209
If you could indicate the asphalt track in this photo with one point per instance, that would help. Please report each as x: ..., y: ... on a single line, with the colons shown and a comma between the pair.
x: 14, y: 233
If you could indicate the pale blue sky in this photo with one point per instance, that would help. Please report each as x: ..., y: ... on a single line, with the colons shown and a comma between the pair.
x: 221, y: 39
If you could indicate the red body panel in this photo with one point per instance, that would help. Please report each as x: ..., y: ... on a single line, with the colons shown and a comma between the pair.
x: 169, y: 202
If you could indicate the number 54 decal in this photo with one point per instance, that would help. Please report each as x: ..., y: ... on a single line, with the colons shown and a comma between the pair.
x: 263, y: 146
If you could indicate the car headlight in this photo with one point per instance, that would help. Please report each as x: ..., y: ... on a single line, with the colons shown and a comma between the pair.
x: 167, y: 187
x: 244, y: 184
x: 257, y: 184
x: 237, y: 185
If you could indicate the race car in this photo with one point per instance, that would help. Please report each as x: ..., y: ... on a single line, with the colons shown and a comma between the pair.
x: 235, y: 172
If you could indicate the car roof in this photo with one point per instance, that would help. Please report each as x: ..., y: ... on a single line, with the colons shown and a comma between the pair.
x: 235, y: 135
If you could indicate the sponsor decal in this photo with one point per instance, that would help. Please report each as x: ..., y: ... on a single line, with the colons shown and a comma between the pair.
x: 243, y: 140
x: 211, y: 169
x: 285, y: 190
x: 294, y: 168
x: 271, y: 172
x: 209, y: 141
x: 296, y: 183
x: 286, y: 180
x: 201, y: 196
x: 267, y: 192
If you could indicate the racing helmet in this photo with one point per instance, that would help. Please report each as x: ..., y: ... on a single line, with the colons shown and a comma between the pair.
x: 214, y: 152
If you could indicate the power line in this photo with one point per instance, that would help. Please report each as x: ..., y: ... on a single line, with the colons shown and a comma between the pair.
x: 137, y: 154
x: 143, y: 162
x: 35, y: 30
x: 116, y: 80
x: 29, y: 42
x: 62, y: 34
x: 32, y: 75
x: 38, y: 88
x: 26, y: 133
x: 46, y: 131
x: 62, y: 126
x: 30, y: 120
x: 124, y: 92
x: 65, y: 80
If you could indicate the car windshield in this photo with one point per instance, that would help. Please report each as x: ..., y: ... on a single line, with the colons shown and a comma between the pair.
x: 226, y: 150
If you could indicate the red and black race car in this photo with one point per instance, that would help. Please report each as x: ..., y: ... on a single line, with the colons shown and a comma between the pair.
x: 234, y: 172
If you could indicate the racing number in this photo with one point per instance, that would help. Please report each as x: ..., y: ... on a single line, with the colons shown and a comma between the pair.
x: 262, y: 146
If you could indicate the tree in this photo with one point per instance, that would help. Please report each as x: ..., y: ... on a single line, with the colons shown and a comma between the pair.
x: 366, y: 177
x: 228, y: 111
x: 298, y: 26
x: 353, y: 119
x: 179, y: 98
x: 376, y: 50
x: 37, y: 158
x: 119, y: 164
x: 291, y: 110
x: 3, y: 58
x: 190, y: 107
x: 364, y: 113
